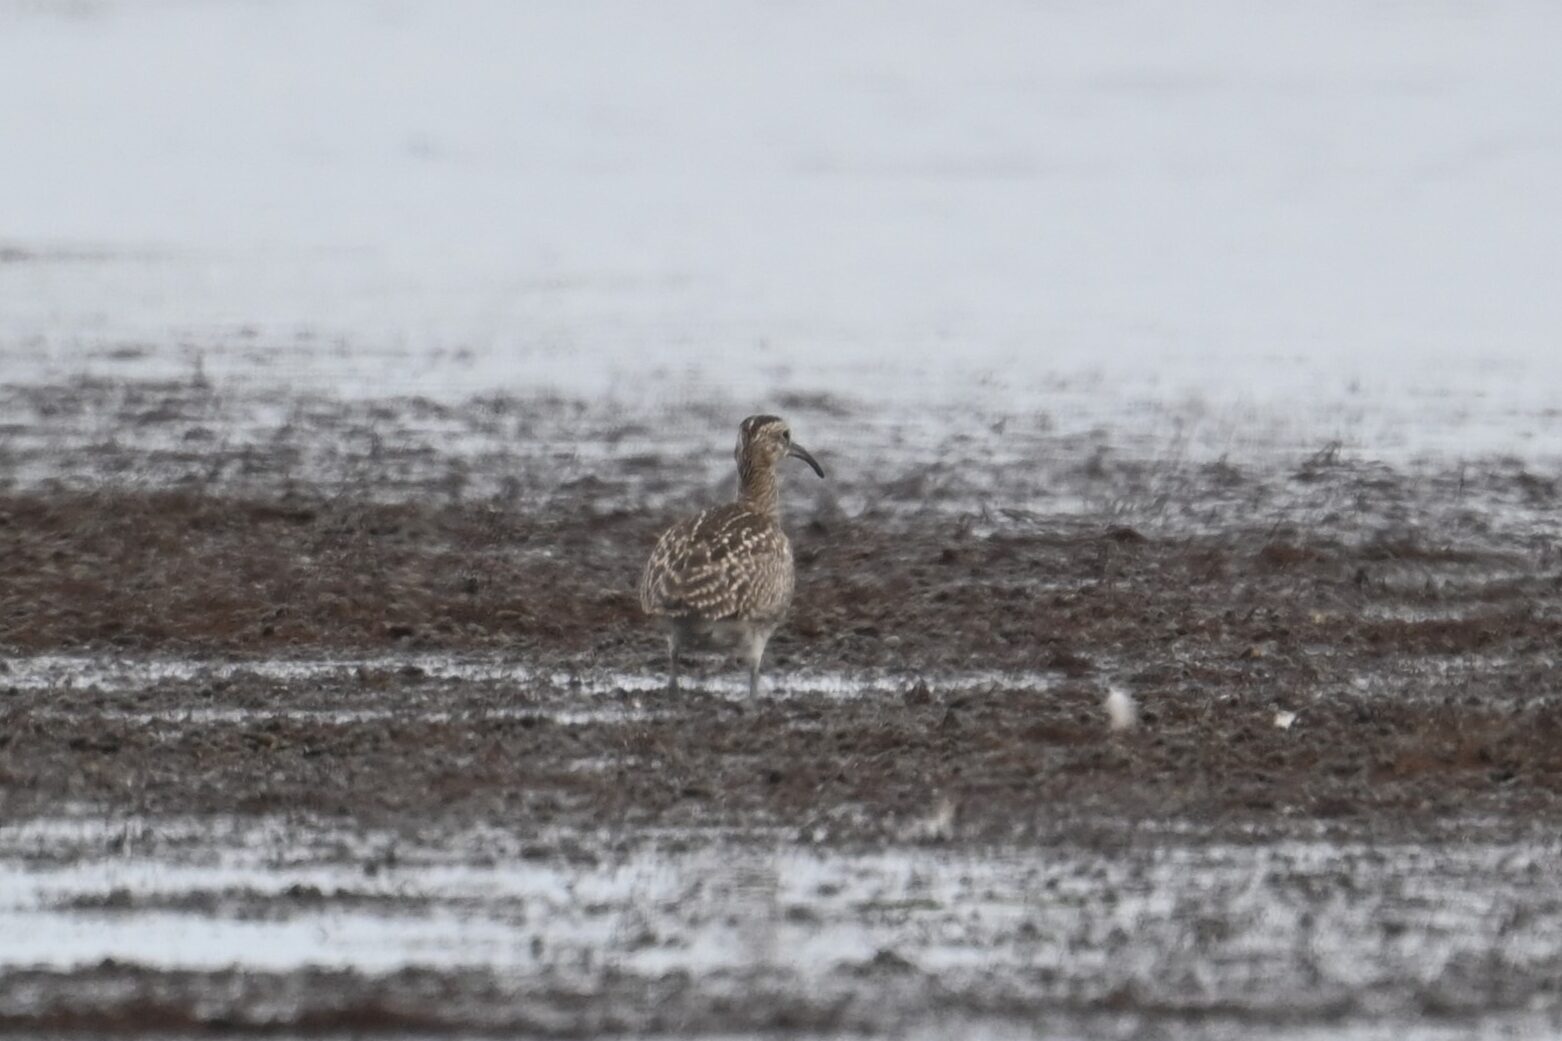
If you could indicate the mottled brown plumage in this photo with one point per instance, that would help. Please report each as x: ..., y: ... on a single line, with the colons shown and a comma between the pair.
x: 722, y: 580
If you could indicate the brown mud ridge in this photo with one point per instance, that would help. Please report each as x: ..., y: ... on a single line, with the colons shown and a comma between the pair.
x: 1420, y: 671
x: 883, y: 996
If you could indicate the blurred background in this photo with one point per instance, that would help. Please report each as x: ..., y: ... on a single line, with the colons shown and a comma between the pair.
x: 1257, y: 225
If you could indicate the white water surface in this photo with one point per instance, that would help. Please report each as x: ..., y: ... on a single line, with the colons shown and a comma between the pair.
x: 1241, y: 223
x: 37, y: 676
x: 1249, y: 923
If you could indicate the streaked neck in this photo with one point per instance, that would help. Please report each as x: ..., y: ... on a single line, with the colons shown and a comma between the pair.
x: 758, y: 489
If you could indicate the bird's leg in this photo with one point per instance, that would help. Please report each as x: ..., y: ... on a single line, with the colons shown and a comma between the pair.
x: 674, y: 652
x: 756, y: 654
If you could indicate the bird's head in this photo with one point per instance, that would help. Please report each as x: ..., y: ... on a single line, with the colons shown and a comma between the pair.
x: 763, y: 441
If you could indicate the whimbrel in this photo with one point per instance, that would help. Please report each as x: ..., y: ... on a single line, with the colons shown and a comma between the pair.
x: 722, y: 580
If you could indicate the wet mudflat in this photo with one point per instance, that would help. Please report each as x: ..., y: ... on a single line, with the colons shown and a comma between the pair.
x: 342, y: 718
x: 353, y: 354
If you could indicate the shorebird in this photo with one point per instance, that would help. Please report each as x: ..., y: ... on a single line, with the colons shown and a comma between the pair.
x: 722, y: 579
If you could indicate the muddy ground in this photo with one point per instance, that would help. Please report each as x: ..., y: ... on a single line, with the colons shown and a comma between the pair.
x: 412, y: 628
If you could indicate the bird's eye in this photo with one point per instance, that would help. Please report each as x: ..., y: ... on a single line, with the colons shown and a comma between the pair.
x: 786, y: 436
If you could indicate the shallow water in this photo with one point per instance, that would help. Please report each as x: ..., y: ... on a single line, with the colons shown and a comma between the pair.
x: 40, y: 674
x: 1262, y: 927
x: 1231, y: 229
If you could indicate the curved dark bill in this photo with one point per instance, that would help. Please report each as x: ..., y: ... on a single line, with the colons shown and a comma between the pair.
x: 799, y: 452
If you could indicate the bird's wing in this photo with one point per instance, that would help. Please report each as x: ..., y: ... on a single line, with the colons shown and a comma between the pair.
x: 728, y: 562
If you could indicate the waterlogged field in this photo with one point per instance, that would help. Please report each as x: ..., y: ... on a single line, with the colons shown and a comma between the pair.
x: 366, y: 737
x: 352, y: 356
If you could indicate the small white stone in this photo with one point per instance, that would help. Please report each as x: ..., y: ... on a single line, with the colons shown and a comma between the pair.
x: 937, y: 826
x: 1284, y: 719
x: 1121, y: 712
